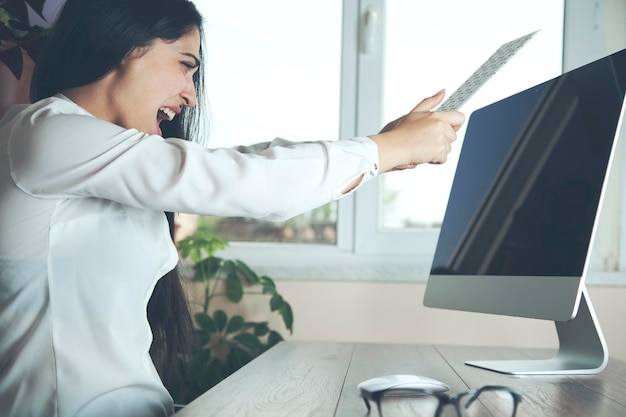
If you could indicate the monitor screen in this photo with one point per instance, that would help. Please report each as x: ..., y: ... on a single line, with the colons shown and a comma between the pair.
x: 522, y: 209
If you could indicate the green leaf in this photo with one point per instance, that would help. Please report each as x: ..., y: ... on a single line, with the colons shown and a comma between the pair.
x: 273, y: 338
x: 287, y: 314
x: 248, y: 326
x: 276, y: 302
x: 199, y: 271
x: 196, y: 254
x: 203, y: 336
x: 215, y: 263
x: 209, y: 242
x: 261, y: 329
x: 200, y: 245
x: 248, y: 341
x: 220, y: 318
x: 234, y: 287
x: 237, y: 357
x: 250, y: 275
x: 268, y: 285
x: 235, y: 324
x: 205, y: 322
x: 229, y: 267
x: 207, y: 269
x: 184, y: 248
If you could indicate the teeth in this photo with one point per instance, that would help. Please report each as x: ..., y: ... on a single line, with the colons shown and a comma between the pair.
x: 168, y: 113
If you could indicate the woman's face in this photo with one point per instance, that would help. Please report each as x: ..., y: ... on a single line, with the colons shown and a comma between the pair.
x: 153, y: 83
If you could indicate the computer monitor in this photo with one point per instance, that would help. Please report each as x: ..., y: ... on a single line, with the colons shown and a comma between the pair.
x: 522, y: 212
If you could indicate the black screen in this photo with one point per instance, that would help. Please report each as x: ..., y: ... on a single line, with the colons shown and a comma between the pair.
x: 529, y: 177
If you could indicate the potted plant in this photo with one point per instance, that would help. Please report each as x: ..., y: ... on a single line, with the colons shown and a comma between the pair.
x: 224, y: 342
x: 17, y: 35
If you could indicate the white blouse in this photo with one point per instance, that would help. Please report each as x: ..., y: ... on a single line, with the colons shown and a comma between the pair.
x: 83, y: 240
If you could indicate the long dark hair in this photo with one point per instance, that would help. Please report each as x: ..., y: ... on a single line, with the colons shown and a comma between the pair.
x: 91, y: 38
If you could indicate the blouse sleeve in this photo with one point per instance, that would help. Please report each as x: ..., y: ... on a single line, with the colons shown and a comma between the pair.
x: 75, y: 155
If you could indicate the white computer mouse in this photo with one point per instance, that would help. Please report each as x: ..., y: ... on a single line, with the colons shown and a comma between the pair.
x: 402, y: 383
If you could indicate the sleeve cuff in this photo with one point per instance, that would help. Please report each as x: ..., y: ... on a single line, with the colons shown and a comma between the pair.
x: 372, y: 153
x: 369, y: 164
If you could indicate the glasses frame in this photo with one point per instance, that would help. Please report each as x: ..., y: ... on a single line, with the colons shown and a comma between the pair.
x: 443, y: 398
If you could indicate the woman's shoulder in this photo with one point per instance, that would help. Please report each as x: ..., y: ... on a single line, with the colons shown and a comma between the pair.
x: 27, y: 116
x: 54, y: 125
x: 55, y: 105
x: 59, y: 115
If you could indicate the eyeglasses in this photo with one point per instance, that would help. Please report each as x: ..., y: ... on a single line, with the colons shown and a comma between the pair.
x: 433, y: 404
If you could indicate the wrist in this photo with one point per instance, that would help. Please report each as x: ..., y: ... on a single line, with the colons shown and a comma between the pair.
x: 389, y: 155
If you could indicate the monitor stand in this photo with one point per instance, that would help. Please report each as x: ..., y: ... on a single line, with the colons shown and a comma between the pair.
x: 582, y: 348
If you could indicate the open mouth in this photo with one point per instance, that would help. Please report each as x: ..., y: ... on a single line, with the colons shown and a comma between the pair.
x: 166, y: 114
x: 163, y: 114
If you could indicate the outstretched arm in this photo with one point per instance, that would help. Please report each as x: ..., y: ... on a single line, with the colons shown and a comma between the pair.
x: 420, y: 136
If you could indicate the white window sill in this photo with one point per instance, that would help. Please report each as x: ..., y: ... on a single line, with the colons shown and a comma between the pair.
x: 304, y: 262
x: 327, y: 263
x: 598, y: 278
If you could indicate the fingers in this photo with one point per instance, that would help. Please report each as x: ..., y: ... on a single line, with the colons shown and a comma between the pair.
x: 431, y: 102
x: 452, y: 117
x: 440, y: 147
x: 431, y: 135
x: 420, y: 136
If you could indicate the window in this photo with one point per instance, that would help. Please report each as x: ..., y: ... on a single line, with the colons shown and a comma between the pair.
x: 448, y: 41
x: 433, y: 45
x: 328, y: 70
x: 273, y: 70
x: 593, y: 30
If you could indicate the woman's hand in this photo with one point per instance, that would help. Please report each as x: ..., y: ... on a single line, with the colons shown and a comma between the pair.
x: 421, y: 136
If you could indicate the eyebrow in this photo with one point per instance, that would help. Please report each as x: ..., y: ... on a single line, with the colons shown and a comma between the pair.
x: 190, y: 55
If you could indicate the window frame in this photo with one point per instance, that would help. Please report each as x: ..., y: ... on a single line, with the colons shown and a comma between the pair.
x: 593, y: 30
x: 365, y: 252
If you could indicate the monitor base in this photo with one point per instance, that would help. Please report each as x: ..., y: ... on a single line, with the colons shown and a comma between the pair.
x: 582, y: 348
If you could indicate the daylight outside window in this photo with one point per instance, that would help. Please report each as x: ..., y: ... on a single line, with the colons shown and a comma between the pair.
x: 435, y: 45
x: 275, y: 71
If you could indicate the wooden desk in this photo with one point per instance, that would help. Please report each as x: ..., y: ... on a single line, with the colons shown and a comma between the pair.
x: 320, y: 379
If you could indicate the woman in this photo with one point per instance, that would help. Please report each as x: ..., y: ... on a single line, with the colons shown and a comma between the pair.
x: 85, y: 179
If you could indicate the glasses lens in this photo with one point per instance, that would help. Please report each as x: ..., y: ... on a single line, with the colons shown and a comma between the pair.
x: 500, y: 402
x: 413, y: 405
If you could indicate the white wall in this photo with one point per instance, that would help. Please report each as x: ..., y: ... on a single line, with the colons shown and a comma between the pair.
x: 393, y: 313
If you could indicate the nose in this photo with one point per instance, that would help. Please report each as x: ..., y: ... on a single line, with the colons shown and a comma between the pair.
x: 189, y: 93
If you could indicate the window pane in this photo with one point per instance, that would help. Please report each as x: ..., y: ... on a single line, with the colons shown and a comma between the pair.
x: 273, y: 70
x: 435, y: 45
